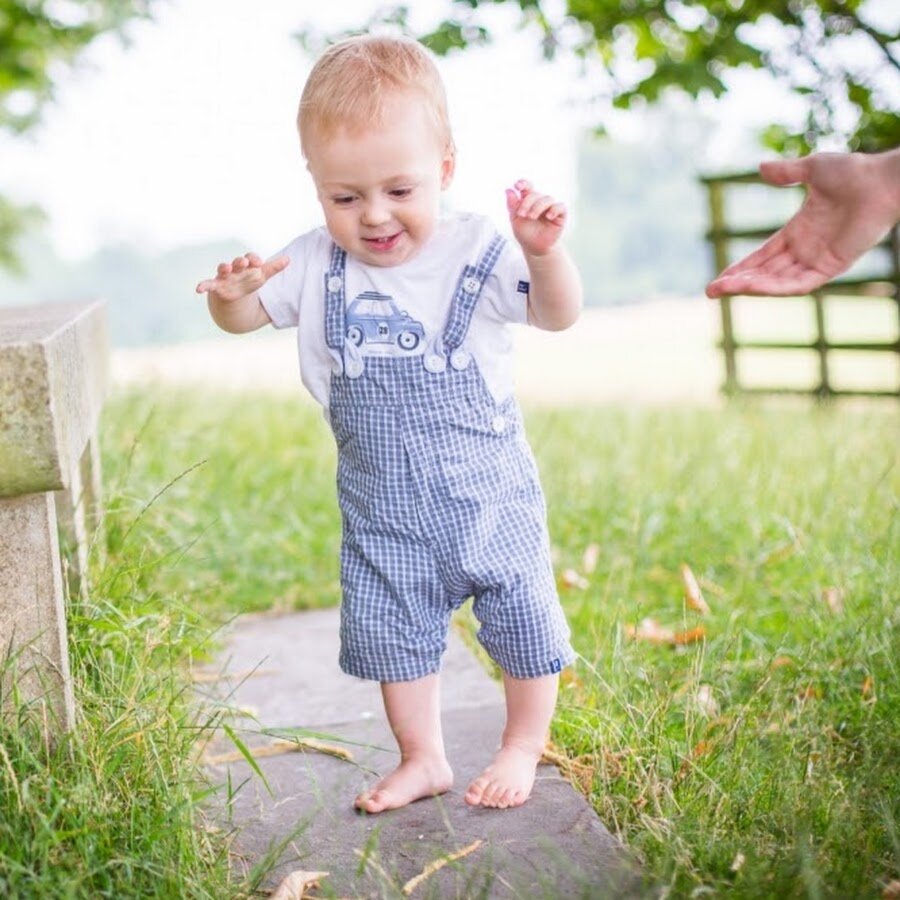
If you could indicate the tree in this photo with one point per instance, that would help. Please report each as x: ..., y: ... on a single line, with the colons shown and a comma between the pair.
x: 637, y: 49
x: 39, y: 41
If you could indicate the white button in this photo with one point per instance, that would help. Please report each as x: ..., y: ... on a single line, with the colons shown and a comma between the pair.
x: 460, y: 359
x: 335, y: 283
x: 498, y: 423
x: 471, y: 285
x: 435, y: 363
x: 354, y: 367
x: 337, y: 367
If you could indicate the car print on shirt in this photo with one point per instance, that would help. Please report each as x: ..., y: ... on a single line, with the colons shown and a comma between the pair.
x: 374, y: 318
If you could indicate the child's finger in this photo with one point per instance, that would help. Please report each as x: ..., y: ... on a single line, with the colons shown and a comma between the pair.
x: 274, y: 266
x: 556, y: 212
x: 223, y: 270
x: 533, y: 205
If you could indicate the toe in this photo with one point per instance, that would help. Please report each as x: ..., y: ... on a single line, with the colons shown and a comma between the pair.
x: 475, y: 792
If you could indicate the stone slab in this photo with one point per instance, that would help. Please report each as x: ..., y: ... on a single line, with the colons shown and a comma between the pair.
x: 302, y: 816
x: 297, y: 679
x: 54, y: 364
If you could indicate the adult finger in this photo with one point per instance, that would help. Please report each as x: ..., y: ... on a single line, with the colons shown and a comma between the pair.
x: 786, y: 171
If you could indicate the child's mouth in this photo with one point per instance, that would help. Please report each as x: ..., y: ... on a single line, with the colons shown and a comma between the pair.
x: 383, y: 244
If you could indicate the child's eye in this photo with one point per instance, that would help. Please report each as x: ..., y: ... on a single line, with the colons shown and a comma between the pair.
x: 343, y: 200
x: 401, y: 192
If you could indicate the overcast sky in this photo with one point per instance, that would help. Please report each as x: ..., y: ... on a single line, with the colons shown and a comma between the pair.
x: 187, y: 135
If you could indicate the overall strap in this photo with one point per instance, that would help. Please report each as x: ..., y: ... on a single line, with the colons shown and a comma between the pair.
x: 468, y: 290
x: 335, y: 299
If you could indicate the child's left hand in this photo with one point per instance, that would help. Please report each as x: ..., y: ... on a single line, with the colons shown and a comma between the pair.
x: 537, y: 219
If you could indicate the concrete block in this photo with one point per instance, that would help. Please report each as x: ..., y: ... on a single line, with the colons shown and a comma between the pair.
x: 53, y: 379
x: 34, y: 657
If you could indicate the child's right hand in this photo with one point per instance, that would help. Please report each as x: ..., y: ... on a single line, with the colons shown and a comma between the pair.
x: 243, y: 276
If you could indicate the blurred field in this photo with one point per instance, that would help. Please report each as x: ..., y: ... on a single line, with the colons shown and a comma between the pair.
x: 653, y: 353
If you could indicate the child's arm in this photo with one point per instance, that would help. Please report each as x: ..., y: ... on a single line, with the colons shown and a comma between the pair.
x: 555, y: 295
x: 232, y: 295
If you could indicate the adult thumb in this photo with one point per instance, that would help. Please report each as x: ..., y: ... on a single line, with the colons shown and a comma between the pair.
x: 785, y: 171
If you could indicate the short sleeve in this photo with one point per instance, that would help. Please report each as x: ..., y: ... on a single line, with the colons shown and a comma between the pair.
x: 281, y: 294
x: 506, y: 289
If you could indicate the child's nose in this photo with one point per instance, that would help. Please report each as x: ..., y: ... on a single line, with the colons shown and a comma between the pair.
x: 375, y: 213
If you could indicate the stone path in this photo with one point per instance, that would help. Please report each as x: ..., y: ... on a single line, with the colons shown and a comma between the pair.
x: 553, y: 847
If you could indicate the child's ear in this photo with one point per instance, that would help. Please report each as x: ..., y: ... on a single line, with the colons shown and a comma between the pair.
x: 448, y: 167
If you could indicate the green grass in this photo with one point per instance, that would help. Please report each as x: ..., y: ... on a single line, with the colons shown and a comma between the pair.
x: 217, y: 505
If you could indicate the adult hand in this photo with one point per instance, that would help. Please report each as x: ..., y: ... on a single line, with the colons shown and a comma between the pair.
x: 852, y: 201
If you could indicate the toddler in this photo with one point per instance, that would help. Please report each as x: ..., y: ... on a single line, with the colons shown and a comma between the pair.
x: 403, y: 320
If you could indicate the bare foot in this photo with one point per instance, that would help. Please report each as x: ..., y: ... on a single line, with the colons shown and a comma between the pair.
x: 413, y: 779
x: 506, y: 782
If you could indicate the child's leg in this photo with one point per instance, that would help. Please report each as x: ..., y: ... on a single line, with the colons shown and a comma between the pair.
x: 508, y: 780
x: 414, y: 711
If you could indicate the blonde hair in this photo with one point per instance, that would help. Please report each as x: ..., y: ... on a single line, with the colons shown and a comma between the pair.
x: 351, y: 82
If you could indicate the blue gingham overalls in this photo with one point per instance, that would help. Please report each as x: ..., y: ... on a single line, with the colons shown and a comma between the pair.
x: 440, y: 501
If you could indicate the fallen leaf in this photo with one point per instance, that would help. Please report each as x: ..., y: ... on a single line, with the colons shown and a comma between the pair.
x: 868, y: 689
x: 278, y: 747
x: 438, y: 864
x: 590, y: 559
x: 691, y: 636
x: 210, y: 677
x: 571, y: 579
x: 891, y: 891
x: 738, y: 862
x: 834, y: 599
x: 705, y: 701
x: 651, y: 631
x: 780, y: 661
x: 692, y: 594
x: 294, y: 886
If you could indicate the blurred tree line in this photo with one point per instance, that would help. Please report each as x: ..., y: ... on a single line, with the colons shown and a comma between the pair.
x: 39, y: 40
x: 839, y: 56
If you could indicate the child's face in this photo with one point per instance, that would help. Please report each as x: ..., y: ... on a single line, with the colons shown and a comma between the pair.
x: 380, y: 188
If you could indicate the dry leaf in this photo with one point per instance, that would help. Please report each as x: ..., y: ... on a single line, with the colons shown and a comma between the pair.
x: 210, y: 677
x: 691, y: 636
x: 692, y: 593
x: 651, y: 631
x: 705, y: 701
x: 437, y: 865
x: 738, y: 862
x: 276, y: 748
x: 571, y: 579
x: 294, y: 886
x: 834, y: 599
x: 868, y: 689
x: 590, y: 559
x: 780, y: 661
x: 891, y: 891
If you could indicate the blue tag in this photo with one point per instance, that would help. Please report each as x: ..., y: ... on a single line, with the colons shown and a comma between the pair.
x: 555, y: 665
x: 522, y: 287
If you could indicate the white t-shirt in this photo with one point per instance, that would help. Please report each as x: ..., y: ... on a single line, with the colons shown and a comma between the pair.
x: 409, y: 299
